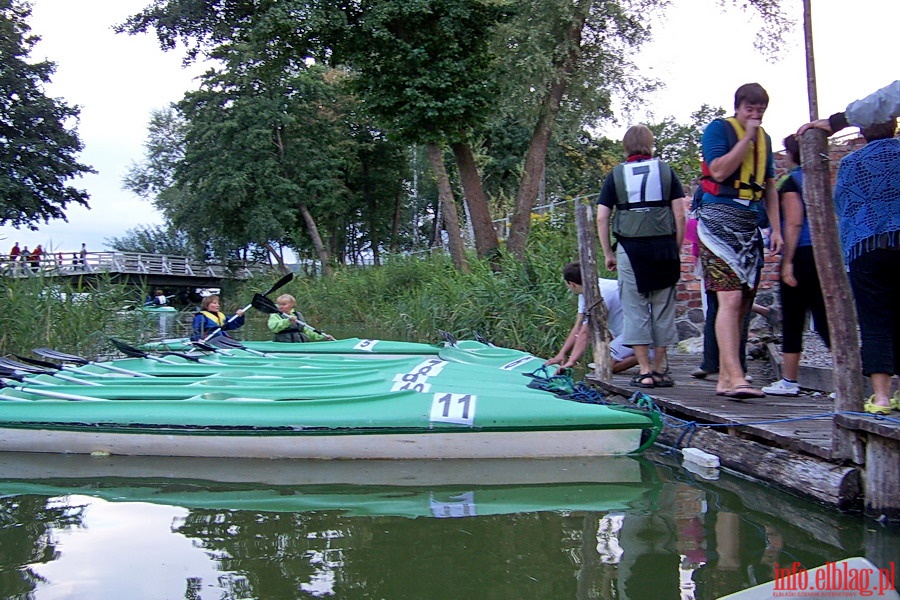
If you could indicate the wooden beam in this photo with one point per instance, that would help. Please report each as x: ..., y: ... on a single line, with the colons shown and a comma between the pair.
x: 805, y: 476
x: 839, y: 306
x: 593, y: 301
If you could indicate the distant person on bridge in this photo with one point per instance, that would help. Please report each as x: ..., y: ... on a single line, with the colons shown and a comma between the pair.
x: 288, y: 325
x: 210, y: 320
x: 35, y: 258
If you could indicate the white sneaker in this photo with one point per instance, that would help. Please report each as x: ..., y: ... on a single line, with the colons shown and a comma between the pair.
x: 782, y: 387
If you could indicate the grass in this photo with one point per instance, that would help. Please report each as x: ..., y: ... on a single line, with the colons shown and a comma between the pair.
x: 524, y: 305
x: 42, y: 312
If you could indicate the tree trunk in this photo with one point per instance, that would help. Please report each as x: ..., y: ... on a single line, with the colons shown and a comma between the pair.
x: 486, y: 243
x: 277, y: 256
x: 321, y: 250
x: 839, y: 306
x: 595, y: 308
x: 536, y: 158
x: 448, y: 207
x: 395, y: 223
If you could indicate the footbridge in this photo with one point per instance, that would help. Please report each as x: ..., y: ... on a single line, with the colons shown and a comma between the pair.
x: 135, y: 268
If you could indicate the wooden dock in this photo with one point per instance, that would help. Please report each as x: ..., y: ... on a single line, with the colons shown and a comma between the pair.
x: 785, y: 441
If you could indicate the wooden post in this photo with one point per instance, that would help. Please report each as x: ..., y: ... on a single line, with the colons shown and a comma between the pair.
x: 810, y: 62
x: 839, y: 305
x: 593, y: 301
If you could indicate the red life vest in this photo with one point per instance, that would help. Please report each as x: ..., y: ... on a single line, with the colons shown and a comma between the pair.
x: 748, y: 182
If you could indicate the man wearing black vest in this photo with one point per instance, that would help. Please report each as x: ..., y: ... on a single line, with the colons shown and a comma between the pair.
x: 738, y: 175
x: 649, y: 226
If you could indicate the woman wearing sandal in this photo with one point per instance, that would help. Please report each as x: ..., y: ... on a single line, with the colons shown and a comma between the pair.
x: 649, y: 226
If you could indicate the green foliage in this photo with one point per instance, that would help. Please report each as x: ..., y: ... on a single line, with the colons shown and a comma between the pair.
x: 38, y: 143
x: 159, y: 239
x: 43, y: 313
x: 423, y: 66
x: 679, y: 145
x: 510, y: 79
x: 163, y: 150
x: 524, y: 306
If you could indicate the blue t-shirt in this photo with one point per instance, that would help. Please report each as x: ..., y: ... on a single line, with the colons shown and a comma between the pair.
x: 794, y: 183
x: 715, y: 144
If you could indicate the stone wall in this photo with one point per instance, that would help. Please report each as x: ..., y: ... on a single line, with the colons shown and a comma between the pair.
x: 689, y: 315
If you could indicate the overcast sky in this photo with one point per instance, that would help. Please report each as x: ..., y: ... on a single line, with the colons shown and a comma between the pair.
x: 701, y: 53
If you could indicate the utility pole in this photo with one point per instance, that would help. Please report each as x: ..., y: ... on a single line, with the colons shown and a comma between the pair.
x: 810, y: 62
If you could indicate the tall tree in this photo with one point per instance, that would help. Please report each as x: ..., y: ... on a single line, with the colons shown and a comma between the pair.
x: 163, y: 150
x: 424, y: 68
x: 265, y: 153
x: 428, y: 69
x: 38, y: 140
x: 567, y: 69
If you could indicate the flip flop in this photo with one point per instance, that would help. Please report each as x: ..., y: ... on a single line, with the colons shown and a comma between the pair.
x: 742, y: 392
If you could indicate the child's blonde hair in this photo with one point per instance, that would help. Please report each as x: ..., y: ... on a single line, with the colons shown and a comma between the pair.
x: 286, y: 298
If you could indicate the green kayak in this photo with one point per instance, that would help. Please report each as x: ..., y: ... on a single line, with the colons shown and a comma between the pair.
x: 464, y: 401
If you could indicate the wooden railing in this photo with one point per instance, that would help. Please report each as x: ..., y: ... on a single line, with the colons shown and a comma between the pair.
x: 130, y: 263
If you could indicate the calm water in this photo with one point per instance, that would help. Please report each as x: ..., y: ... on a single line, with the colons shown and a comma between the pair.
x: 118, y: 527
x: 140, y: 528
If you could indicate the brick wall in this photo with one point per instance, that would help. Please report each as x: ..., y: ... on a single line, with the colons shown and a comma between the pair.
x: 689, y: 314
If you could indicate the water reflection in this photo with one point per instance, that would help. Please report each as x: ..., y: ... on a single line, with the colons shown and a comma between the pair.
x: 598, y: 528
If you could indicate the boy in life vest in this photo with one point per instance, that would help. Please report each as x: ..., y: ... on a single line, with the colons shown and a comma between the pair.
x: 738, y: 176
x: 288, y: 325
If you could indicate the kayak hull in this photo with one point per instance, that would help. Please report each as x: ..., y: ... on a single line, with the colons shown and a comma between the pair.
x: 434, y: 445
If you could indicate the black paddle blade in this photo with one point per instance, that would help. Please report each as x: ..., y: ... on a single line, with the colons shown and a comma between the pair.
x: 128, y: 350
x: 482, y: 339
x: 263, y: 304
x: 447, y: 337
x: 10, y: 374
x: 15, y: 365
x: 37, y: 363
x: 280, y: 283
x: 223, y: 341
x: 203, y: 346
x: 62, y: 356
x: 195, y: 359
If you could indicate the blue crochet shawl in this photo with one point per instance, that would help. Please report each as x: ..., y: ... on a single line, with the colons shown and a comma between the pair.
x: 867, y: 198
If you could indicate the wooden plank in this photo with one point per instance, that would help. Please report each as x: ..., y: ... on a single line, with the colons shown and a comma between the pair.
x: 695, y: 400
x: 882, y: 480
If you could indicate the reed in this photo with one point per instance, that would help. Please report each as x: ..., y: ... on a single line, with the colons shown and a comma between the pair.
x: 522, y: 305
x: 40, y: 312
